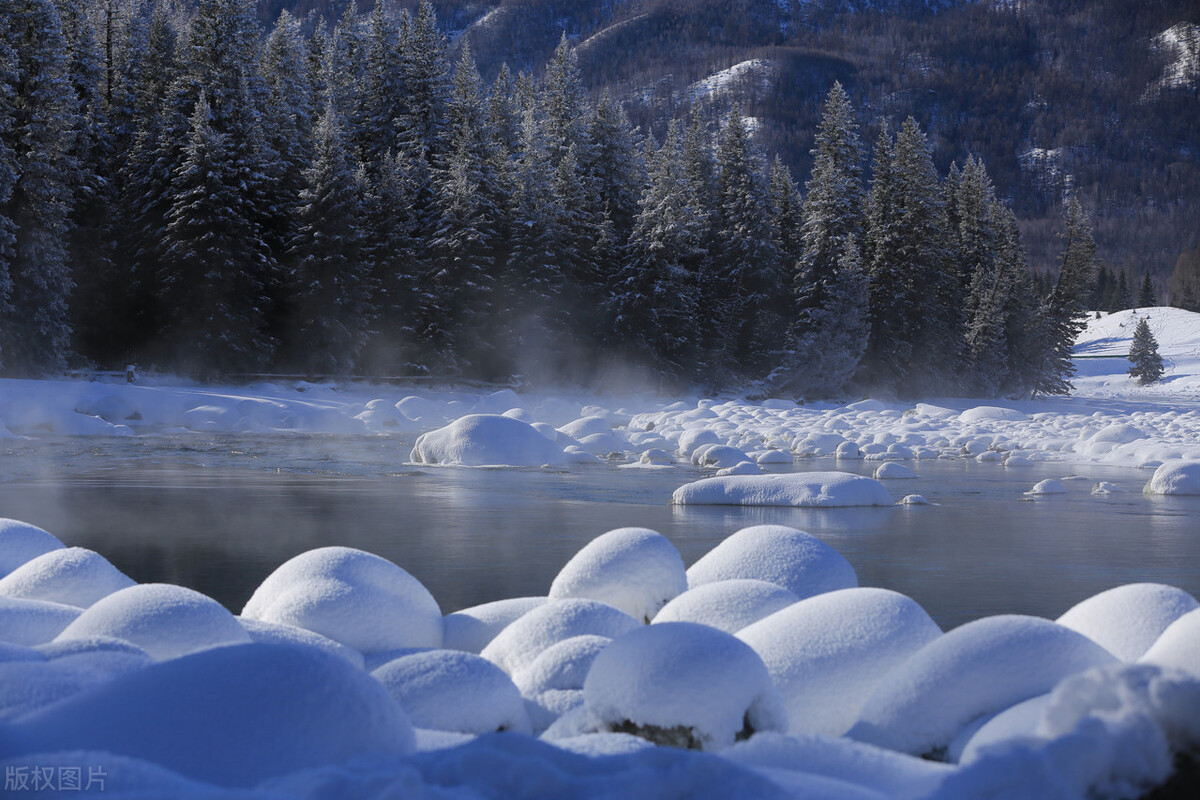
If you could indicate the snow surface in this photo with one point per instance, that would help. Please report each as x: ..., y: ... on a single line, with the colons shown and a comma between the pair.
x: 21, y: 542
x: 793, y: 559
x: 479, y: 440
x: 801, y: 489
x: 828, y: 653
x: 636, y: 570
x: 1127, y: 620
x: 1175, y: 477
x: 471, y: 629
x: 728, y: 605
x: 1178, y: 646
x: 71, y: 575
x: 685, y: 677
x: 518, y: 646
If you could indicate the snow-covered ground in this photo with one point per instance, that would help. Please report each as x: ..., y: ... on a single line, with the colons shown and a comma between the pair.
x: 341, y: 677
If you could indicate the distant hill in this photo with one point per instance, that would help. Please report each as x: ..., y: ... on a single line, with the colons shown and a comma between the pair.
x: 1099, y: 97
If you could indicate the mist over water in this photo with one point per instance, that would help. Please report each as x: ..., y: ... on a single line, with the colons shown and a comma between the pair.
x: 218, y: 514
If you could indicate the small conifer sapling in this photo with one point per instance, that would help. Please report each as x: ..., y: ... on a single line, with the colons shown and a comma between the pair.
x: 1145, y: 362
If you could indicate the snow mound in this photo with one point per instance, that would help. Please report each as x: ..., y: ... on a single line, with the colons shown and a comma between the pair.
x: 448, y: 690
x: 976, y: 669
x: 165, y: 620
x: 1128, y: 619
x: 636, y: 570
x: 586, y: 426
x: 727, y: 605
x: 682, y: 684
x: 353, y: 597
x: 718, y: 456
x: 553, y: 684
x: 21, y: 542
x: 800, y: 489
x: 1048, y: 486
x: 1014, y: 721
x: 1179, y: 645
x: 793, y: 559
x: 990, y: 413
x: 890, y: 470
x: 828, y: 653
x: 26, y: 686
x: 232, y: 716
x: 278, y: 633
x: 471, y: 629
x: 914, y: 500
x: 518, y: 646
x: 479, y: 440
x: 73, y: 576
x: 1175, y: 477
x: 33, y: 622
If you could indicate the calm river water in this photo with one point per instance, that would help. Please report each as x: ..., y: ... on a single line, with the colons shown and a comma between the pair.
x: 219, y: 514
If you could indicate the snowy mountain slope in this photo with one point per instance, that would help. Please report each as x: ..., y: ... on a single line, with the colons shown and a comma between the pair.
x: 1102, y: 352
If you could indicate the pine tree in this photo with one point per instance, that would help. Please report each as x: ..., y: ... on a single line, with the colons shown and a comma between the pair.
x: 1062, y: 313
x: 563, y: 103
x: 381, y: 96
x: 653, y: 299
x: 331, y: 308
x: 829, y: 303
x: 1147, y: 296
x: 1022, y: 334
x: 8, y: 170
x: 1121, y: 299
x: 42, y: 120
x: 983, y: 281
x: 787, y: 219
x: 1146, y: 363
x: 426, y: 86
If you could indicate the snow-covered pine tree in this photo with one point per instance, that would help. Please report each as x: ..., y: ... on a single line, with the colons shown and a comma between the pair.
x: 745, y: 289
x: 42, y: 122
x: 563, y: 104
x: 984, y: 356
x: 8, y: 167
x: 330, y: 291
x: 787, y: 219
x: 825, y: 298
x: 289, y: 110
x: 426, y: 86
x: 214, y: 259
x: 1022, y: 323
x: 653, y: 298
x: 380, y: 100
x: 343, y: 68
x: 614, y: 170
x: 1146, y: 365
x: 1122, y: 298
x: 1062, y: 312
x: 1147, y: 297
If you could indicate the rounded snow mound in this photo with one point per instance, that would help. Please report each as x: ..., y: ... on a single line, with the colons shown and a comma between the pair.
x: 351, y: 596
x: 479, y: 440
x: 1048, y: 486
x: 890, y: 470
x: 553, y: 684
x: 1175, y: 477
x: 232, y: 716
x: 636, y: 570
x: 1178, y: 646
x: 693, y: 438
x: 718, y: 456
x: 70, y: 575
x: 587, y: 426
x: 684, y: 685
x: 974, y: 670
x: 828, y: 653
x: 793, y: 559
x: 1128, y: 619
x: 988, y: 413
x: 448, y: 690
x: 32, y: 622
x: 26, y: 686
x: 727, y: 605
x: 799, y: 489
x: 165, y: 620
x: 21, y: 542
x: 519, y: 645
x: 278, y: 633
x: 472, y: 628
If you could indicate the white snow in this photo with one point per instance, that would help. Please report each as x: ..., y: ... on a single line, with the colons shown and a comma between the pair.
x: 727, y: 605
x: 891, y: 471
x: 684, y: 680
x: 21, y: 542
x: 828, y: 653
x: 636, y: 570
x: 71, y: 575
x: 801, y: 489
x: 448, y: 690
x: 1179, y: 645
x: 518, y: 646
x: 1175, y: 477
x: 232, y: 716
x: 278, y: 633
x: 1127, y: 620
x: 33, y: 622
x: 353, y: 597
x: 165, y: 620
x: 28, y: 685
x: 471, y: 629
x: 479, y: 440
x: 793, y: 559
x: 974, y: 670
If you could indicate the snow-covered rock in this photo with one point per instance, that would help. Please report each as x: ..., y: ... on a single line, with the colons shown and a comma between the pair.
x: 1179, y: 645
x: 682, y: 684
x: 353, y: 597
x: 1175, y: 477
x: 449, y: 690
x: 21, y: 542
x: 553, y: 684
x: 636, y: 570
x: 727, y: 605
x: 1128, y: 619
x: 974, y: 670
x: 718, y: 456
x: 519, y: 645
x: 70, y: 575
x: 793, y: 559
x: 165, y: 620
x: 470, y: 629
x: 278, y: 633
x: 230, y: 716
x: 478, y: 440
x: 1048, y: 486
x: 800, y: 489
x: 890, y: 471
x: 65, y: 669
x: 991, y: 413
x: 828, y: 653
x: 32, y: 622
